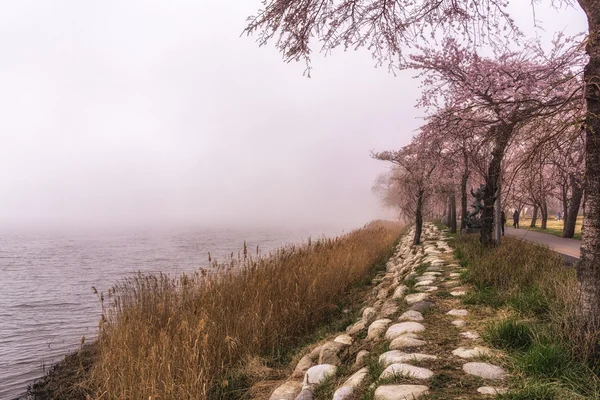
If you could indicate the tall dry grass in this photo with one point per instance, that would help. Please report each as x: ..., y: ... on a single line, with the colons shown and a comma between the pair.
x: 184, y: 337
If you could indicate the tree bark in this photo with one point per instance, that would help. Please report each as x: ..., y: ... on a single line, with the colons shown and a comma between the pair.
x: 565, y: 204
x: 419, y: 218
x: 574, y: 204
x: 588, y: 269
x: 534, y: 217
x: 501, y: 136
x: 544, y: 210
x: 463, y: 193
x: 453, y: 213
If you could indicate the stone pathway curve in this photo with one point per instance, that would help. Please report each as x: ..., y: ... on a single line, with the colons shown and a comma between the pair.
x: 413, y: 338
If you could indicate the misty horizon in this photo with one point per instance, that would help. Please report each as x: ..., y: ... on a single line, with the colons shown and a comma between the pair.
x: 146, y: 114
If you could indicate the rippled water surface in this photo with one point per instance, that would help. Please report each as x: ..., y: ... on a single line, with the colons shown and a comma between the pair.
x: 46, y: 300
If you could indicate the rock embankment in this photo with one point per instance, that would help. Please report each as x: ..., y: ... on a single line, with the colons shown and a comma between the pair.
x: 414, y: 337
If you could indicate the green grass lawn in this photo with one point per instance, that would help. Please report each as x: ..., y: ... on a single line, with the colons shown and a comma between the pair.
x: 554, y: 227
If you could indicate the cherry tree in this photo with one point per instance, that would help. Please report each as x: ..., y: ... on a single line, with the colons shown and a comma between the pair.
x: 415, y: 165
x: 388, y: 28
x: 500, y: 94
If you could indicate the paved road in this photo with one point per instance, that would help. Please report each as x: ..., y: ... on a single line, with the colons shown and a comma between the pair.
x: 567, y: 247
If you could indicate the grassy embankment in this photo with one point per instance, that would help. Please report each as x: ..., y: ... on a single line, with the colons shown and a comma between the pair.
x: 553, y: 226
x: 534, y: 296
x: 212, y: 336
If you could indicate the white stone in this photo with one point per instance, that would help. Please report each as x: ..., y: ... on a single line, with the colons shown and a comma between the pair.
x: 457, y: 293
x: 424, y: 283
x: 303, y: 365
x: 406, y: 370
x: 470, y: 335
x: 369, y: 313
x: 345, y: 339
x: 485, y: 370
x: 400, y: 392
x: 382, y: 294
x: 427, y: 289
x: 491, y: 390
x: 403, y: 327
x: 360, y: 358
x: 406, y: 341
x: 458, y: 313
x: 318, y: 374
x: 454, y: 275
x: 377, y: 328
x: 288, y: 391
x: 347, y: 389
x: 464, y: 352
x: 425, y: 278
x: 431, y: 273
x: 411, y: 315
x: 400, y: 292
x: 357, y: 327
x: 389, y: 308
x: 459, y: 323
x: 416, y: 297
x: 395, y: 356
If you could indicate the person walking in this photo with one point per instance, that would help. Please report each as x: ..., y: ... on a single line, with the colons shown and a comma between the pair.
x: 516, y: 219
x: 503, y: 220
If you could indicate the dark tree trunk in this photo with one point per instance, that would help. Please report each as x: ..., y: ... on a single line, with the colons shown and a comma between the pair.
x: 419, y: 218
x: 565, y: 201
x: 573, y: 210
x: 534, y: 217
x: 544, y: 210
x: 452, y: 213
x: 501, y: 136
x: 588, y: 269
x: 463, y: 194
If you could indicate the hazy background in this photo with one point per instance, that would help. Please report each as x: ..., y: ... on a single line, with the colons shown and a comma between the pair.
x: 158, y: 112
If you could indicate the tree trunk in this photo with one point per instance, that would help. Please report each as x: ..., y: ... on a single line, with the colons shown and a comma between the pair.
x: 452, y: 213
x: 501, y: 135
x: 534, y: 217
x: 463, y: 193
x: 544, y: 210
x: 419, y: 218
x: 573, y: 210
x: 588, y: 269
x: 498, y: 213
x: 565, y: 204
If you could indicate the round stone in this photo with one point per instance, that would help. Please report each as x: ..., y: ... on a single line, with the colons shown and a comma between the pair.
x: 424, y: 283
x: 458, y: 293
x: 377, y: 328
x: 400, y: 392
x: 400, y: 292
x: 318, y: 374
x: 422, y: 306
x: 458, y: 313
x: 416, y: 297
x: 406, y: 370
x: 411, y: 315
x: 463, y: 352
x: 344, y: 339
x: 491, y: 390
x: 485, y: 370
x: 403, y: 327
x: 407, y: 340
x: 395, y: 356
x: 470, y: 335
x: 288, y: 391
x: 459, y: 323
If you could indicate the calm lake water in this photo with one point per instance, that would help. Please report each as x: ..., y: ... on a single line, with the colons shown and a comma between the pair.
x: 46, y: 298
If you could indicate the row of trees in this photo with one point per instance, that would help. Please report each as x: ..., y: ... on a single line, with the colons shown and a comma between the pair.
x: 509, y: 115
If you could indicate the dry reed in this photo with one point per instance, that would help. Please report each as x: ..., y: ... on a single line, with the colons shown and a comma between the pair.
x: 185, y: 337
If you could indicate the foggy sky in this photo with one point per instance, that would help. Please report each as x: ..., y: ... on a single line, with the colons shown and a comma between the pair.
x: 158, y: 112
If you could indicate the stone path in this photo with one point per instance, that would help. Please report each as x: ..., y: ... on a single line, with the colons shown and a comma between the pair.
x: 411, y: 340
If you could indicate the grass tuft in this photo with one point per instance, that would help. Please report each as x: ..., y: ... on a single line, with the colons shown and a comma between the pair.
x: 508, y: 334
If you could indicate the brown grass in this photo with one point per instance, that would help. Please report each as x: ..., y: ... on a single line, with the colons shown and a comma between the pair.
x: 190, y: 336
